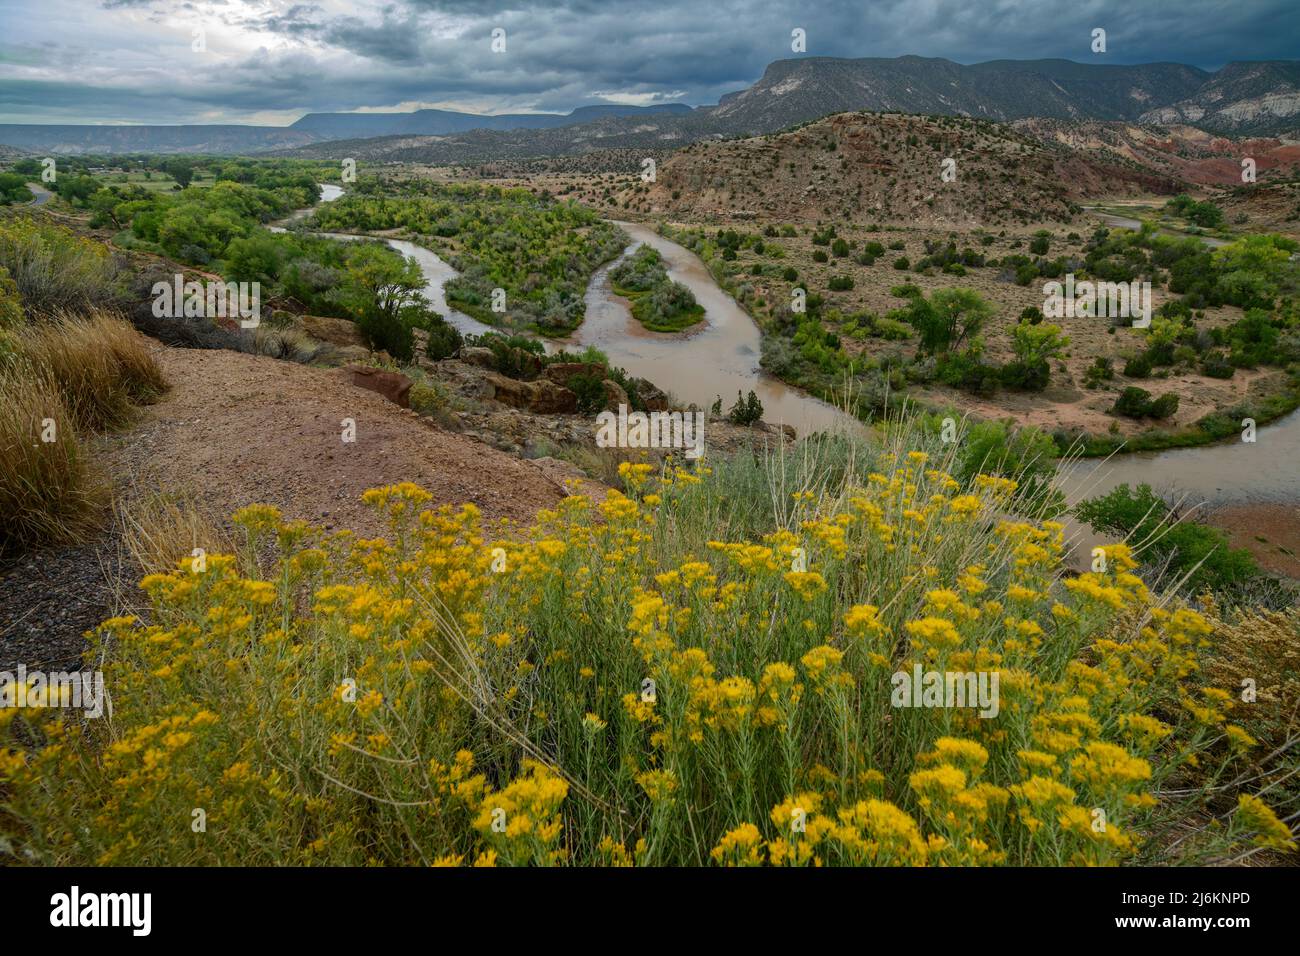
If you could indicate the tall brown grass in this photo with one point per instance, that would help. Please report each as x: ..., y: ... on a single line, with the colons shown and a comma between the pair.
x: 101, y: 365
x: 159, y: 529
x: 49, y: 490
x: 60, y: 381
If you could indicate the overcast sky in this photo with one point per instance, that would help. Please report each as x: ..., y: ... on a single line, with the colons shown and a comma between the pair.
x: 270, y: 61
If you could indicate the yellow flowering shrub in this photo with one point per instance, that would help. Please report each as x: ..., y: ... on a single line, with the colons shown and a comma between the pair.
x: 674, y: 675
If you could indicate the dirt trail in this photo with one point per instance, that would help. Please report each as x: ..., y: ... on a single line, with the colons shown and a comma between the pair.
x: 238, y: 429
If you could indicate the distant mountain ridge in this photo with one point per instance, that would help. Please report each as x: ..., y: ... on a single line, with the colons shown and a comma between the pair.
x: 440, y: 122
x: 1243, y: 98
x: 793, y: 91
x: 70, y: 139
x: 1247, y: 98
x: 311, y: 128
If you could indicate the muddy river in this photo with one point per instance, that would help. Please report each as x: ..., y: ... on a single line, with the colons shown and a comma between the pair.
x: 720, y: 358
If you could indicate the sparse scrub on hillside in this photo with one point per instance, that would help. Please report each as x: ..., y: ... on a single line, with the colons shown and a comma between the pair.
x: 54, y: 269
x: 667, y: 678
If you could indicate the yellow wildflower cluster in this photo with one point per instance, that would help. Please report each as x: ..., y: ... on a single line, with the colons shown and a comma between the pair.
x: 625, y: 683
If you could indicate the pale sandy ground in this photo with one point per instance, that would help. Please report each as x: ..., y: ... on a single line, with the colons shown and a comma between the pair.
x: 240, y: 429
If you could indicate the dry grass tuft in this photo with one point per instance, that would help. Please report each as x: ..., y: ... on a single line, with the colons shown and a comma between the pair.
x: 101, y: 365
x: 60, y: 380
x: 49, y: 490
x: 160, y: 529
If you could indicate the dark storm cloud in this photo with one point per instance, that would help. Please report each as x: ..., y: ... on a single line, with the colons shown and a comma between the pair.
x: 276, y: 57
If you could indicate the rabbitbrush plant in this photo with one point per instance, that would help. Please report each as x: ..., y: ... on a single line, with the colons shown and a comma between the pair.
x: 699, y: 671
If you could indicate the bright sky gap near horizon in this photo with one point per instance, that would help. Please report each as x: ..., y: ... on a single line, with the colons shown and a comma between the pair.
x: 270, y: 61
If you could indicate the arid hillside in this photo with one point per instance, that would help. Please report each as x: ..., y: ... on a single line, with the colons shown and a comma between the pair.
x: 1178, y: 152
x: 891, y: 167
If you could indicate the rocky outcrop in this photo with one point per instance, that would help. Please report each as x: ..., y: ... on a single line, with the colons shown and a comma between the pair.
x: 510, y: 391
x: 542, y: 396
x: 475, y: 355
x: 615, y: 395
x: 394, y: 386
x: 561, y: 373
x: 552, y: 399
x: 655, y: 398
x: 338, y: 332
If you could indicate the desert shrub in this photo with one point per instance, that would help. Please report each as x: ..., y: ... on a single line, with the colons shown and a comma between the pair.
x: 1024, y: 376
x: 54, y: 269
x: 890, y: 329
x: 778, y: 356
x: 386, y: 332
x: 902, y: 264
x: 1034, y: 345
x: 590, y: 390
x: 1215, y: 366
x: 1101, y: 370
x: 1139, y: 367
x: 428, y: 397
x: 286, y: 344
x: 841, y: 283
x: 746, y: 410
x: 419, y: 695
x: 1164, y: 406
x: 444, y: 340
x: 820, y: 256
x: 1133, y: 402
x: 1163, y: 537
x: 515, y: 356
x: 966, y: 371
